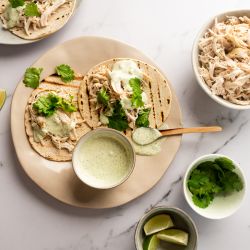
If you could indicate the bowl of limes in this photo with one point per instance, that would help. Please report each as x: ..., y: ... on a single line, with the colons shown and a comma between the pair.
x: 166, y: 228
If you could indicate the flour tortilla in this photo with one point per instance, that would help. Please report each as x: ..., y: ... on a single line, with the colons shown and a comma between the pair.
x: 55, y: 22
x: 157, y: 90
x: 48, y: 150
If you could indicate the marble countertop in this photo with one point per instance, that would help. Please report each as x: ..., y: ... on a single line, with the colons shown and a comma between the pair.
x: 164, y: 30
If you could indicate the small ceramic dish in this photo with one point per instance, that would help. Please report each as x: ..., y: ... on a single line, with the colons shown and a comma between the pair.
x: 195, y: 61
x: 221, y: 206
x: 181, y: 221
x: 103, y: 158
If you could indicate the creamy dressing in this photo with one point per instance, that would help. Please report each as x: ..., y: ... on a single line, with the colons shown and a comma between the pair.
x: 12, y: 16
x: 144, y: 141
x: 144, y: 136
x: 103, y: 160
x: 121, y: 73
x: 149, y: 149
x: 59, y: 124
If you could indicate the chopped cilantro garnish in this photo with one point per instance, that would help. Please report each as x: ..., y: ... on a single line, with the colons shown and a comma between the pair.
x: 136, y: 99
x: 65, y: 72
x: 142, y: 119
x: 16, y: 3
x: 31, y: 10
x: 210, y: 178
x: 103, y: 97
x: 47, y: 105
x: 118, y: 120
x: 32, y: 77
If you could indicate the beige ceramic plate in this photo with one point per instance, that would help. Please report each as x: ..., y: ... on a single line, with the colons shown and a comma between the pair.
x: 6, y: 37
x: 58, y: 179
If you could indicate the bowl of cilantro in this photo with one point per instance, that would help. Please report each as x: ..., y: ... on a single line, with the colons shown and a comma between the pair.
x: 214, y: 186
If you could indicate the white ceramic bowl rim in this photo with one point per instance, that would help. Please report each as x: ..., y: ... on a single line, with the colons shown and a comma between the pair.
x: 116, y: 134
x: 195, y: 62
x: 186, y: 191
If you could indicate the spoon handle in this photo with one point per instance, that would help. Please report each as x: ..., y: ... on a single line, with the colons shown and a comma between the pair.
x: 178, y: 131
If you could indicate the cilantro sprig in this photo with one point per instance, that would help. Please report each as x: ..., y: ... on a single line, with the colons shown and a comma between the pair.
x: 136, y: 99
x: 16, y: 3
x: 142, y: 119
x: 103, y: 97
x: 211, y: 178
x: 31, y: 10
x: 65, y: 72
x: 32, y: 77
x: 47, y: 105
x: 118, y: 120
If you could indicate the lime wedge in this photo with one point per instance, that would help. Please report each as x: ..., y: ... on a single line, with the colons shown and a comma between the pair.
x: 158, y: 223
x: 175, y: 236
x: 2, y: 97
x: 151, y: 243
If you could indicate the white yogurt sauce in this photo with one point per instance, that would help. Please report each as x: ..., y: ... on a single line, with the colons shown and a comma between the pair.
x: 121, y: 73
x: 103, y: 161
x: 146, y: 136
x: 148, y: 150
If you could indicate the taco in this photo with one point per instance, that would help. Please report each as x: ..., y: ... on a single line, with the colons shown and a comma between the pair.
x: 124, y: 94
x: 53, y: 122
x: 35, y: 19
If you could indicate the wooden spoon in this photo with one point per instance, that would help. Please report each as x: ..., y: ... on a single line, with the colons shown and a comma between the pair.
x: 150, y: 135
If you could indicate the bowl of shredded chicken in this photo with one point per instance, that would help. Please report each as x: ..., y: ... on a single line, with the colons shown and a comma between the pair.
x: 221, y: 59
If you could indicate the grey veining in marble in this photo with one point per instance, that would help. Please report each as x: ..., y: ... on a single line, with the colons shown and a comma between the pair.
x: 164, y: 30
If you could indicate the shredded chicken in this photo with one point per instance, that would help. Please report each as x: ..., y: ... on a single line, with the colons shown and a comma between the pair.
x: 224, y: 57
x: 29, y: 24
x: 38, y: 124
x: 102, y: 80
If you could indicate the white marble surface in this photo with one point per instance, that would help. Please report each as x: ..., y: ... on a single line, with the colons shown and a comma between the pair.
x: 164, y: 30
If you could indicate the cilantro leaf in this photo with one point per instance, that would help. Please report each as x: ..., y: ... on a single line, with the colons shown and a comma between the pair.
x: 31, y: 10
x: 225, y: 163
x: 47, y: 105
x: 118, y: 120
x: 103, y: 97
x: 202, y: 201
x: 136, y: 99
x: 231, y: 182
x: 142, y: 119
x: 16, y: 3
x: 67, y: 106
x: 32, y: 77
x: 211, y: 178
x: 65, y: 72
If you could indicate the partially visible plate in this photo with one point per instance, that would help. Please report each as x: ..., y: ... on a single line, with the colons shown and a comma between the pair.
x: 6, y: 37
x: 58, y: 179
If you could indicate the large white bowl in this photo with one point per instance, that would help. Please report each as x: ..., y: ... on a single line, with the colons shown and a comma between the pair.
x: 220, y: 207
x: 195, y: 61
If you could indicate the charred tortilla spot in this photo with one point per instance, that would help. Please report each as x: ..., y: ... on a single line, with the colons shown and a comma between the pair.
x: 162, y: 117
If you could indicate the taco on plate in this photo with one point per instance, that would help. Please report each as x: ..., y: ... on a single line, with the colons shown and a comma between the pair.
x: 35, y: 19
x: 124, y: 94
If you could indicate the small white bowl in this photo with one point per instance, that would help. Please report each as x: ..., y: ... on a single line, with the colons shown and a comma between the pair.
x: 195, y: 61
x: 220, y: 207
x: 97, y: 181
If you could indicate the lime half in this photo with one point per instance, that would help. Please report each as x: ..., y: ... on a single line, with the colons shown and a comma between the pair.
x: 2, y: 97
x: 175, y: 236
x: 151, y: 243
x: 158, y: 223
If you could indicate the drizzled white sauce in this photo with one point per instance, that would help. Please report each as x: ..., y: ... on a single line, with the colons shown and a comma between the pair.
x: 121, y: 73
